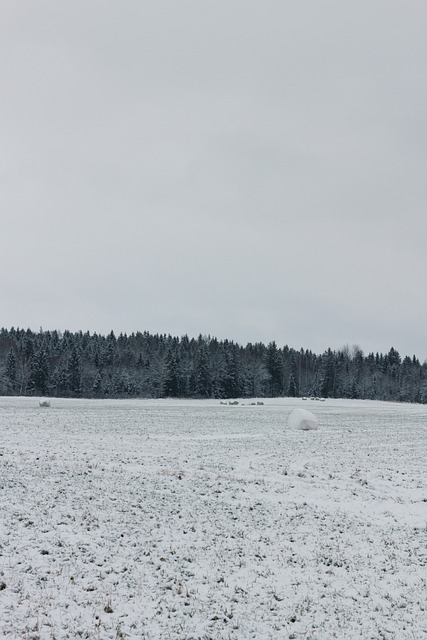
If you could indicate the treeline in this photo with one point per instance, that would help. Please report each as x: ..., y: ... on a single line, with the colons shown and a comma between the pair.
x: 142, y: 365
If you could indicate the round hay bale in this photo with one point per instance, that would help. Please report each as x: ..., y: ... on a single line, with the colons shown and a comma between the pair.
x: 302, y: 419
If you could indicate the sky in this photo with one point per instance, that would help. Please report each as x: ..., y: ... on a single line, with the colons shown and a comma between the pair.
x: 246, y: 169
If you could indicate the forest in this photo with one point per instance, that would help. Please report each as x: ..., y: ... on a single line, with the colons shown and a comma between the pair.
x: 143, y: 365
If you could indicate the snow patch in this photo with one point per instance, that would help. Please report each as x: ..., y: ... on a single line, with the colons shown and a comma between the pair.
x: 139, y: 519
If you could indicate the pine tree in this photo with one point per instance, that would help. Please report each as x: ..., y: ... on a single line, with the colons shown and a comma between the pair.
x: 97, y: 385
x: 273, y: 361
x: 202, y: 372
x: 74, y: 373
x: 172, y: 375
x: 327, y: 386
x: 293, y: 380
x: 39, y: 376
x: 11, y: 371
x: 292, y: 387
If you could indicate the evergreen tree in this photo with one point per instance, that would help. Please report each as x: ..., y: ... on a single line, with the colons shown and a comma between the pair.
x: 327, y: 385
x: 11, y: 373
x: 172, y: 376
x: 292, y: 387
x: 74, y: 374
x: 293, y: 379
x: 97, y: 385
x: 39, y: 377
x: 202, y: 372
x: 275, y: 369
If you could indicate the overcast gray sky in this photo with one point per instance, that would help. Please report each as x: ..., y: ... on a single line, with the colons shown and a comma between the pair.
x: 253, y: 169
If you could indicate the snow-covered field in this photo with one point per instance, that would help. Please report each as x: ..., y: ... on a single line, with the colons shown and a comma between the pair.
x: 194, y: 520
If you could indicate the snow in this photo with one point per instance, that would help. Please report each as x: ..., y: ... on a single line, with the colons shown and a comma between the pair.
x: 302, y: 419
x: 186, y: 520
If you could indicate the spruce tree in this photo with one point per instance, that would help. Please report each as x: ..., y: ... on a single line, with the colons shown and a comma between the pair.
x: 74, y: 373
x: 11, y: 371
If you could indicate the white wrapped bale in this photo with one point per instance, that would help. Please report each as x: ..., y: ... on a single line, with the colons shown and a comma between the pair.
x: 302, y: 419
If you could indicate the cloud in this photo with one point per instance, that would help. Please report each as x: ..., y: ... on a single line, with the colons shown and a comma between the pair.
x: 252, y: 172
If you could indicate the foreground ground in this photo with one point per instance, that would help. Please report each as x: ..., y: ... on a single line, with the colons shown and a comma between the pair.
x: 194, y: 520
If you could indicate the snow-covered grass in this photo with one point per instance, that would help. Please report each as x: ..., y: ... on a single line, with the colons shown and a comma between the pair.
x: 187, y: 520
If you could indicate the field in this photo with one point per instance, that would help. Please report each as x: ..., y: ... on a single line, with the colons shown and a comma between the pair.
x: 194, y: 520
